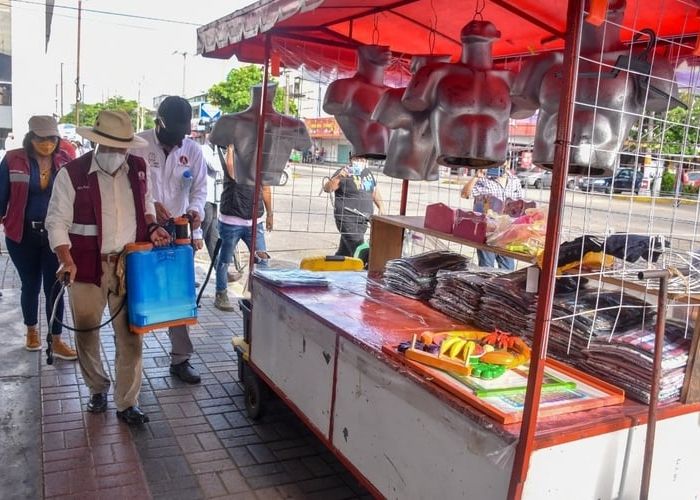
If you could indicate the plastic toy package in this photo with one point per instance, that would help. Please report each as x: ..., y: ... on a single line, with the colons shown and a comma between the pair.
x: 524, y: 234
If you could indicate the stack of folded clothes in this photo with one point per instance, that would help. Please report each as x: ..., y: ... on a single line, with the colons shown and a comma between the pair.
x: 627, y: 360
x: 458, y: 293
x: 588, y: 315
x: 506, y: 305
x: 415, y: 277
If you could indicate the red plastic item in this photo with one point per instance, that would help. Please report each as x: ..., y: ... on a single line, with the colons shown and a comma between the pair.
x: 470, y: 226
x: 440, y: 217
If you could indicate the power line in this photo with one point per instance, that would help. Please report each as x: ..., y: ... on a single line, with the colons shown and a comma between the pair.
x: 110, y: 13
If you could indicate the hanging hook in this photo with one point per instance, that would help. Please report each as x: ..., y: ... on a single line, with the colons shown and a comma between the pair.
x: 375, y: 31
x: 478, y: 9
x: 433, y: 28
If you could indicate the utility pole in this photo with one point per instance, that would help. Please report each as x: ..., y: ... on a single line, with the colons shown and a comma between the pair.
x: 77, y: 73
x: 56, y: 103
x: 184, y: 69
x: 61, y: 89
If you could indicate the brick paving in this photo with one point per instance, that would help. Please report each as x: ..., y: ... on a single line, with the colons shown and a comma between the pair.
x: 199, y: 443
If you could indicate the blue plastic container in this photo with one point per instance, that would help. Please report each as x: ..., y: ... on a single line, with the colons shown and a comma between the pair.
x: 160, y: 287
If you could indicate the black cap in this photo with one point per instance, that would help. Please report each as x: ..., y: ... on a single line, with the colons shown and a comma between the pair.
x: 176, y: 114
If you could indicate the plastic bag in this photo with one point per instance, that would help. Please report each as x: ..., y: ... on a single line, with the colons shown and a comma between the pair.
x: 524, y: 234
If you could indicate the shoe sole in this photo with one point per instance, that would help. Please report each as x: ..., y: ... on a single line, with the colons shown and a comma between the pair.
x: 140, y: 421
x: 32, y: 348
x: 225, y: 309
x: 64, y: 357
x: 97, y: 410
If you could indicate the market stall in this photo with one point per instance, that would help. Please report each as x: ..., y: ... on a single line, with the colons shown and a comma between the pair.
x: 405, y: 429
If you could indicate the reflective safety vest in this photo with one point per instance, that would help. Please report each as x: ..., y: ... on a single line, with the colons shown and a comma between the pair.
x: 86, y: 231
x: 18, y: 166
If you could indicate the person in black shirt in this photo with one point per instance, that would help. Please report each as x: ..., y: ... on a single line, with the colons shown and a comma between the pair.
x: 355, y: 188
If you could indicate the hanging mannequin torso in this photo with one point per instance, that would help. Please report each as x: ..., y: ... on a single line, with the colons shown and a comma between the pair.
x: 607, y: 107
x: 411, y: 153
x: 353, y: 100
x: 469, y: 102
x: 282, y: 134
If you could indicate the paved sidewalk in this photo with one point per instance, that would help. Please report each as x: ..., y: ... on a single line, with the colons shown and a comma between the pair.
x: 199, y: 443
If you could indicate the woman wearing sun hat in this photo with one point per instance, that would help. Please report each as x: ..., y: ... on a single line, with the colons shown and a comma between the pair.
x: 102, y: 202
x: 26, y: 182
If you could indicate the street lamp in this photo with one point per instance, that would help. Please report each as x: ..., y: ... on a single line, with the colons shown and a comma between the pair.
x: 184, y: 69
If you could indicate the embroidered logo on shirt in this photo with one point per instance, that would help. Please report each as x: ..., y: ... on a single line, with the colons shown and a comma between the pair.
x: 184, y: 160
x: 153, y: 162
x: 142, y: 176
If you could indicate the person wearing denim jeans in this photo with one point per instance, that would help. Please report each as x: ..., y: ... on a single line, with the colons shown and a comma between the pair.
x: 236, y: 223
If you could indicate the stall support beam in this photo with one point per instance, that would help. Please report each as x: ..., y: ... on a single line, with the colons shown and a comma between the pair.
x: 404, y: 197
x: 551, y: 251
x: 260, y: 142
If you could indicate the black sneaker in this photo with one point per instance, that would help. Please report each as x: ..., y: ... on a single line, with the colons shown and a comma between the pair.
x: 185, y: 372
x: 97, y: 403
x: 133, y: 416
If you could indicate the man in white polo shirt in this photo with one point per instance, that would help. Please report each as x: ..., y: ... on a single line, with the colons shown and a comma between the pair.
x: 179, y: 178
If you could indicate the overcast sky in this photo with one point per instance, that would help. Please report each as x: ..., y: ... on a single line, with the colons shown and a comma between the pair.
x: 117, y: 53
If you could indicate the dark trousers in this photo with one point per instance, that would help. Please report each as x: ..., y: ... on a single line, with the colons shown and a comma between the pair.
x: 352, y: 234
x: 36, y: 263
x: 210, y: 227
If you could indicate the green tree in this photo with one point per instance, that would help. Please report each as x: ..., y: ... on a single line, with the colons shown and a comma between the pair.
x: 89, y: 112
x: 233, y: 94
x: 675, y: 132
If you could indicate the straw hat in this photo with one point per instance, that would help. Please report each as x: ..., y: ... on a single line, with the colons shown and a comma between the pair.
x: 114, y: 129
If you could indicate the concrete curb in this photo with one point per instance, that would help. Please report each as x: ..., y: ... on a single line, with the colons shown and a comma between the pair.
x: 660, y: 200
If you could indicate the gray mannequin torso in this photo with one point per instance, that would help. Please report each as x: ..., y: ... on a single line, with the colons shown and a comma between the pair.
x: 353, y: 100
x: 606, y: 108
x: 282, y: 134
x: 411, y: 153
x: 469, y: 102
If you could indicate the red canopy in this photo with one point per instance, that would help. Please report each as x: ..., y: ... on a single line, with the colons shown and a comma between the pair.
x: 323, y: 34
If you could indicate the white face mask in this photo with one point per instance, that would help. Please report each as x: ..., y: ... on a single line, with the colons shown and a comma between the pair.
x: 110, y: 162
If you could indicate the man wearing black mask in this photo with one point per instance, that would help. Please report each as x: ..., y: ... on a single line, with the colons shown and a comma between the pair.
x: 178, y: 173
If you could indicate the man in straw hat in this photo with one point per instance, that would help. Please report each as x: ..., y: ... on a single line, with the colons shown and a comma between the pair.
x: 101, y: 202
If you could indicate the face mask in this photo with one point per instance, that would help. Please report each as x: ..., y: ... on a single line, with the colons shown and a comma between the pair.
x: 357, y: 168
x: 44, y: 147
x: 110, y: 162
x: 168, y: 138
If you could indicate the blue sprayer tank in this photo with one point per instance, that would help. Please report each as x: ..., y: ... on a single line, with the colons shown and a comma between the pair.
x: 160, y: 286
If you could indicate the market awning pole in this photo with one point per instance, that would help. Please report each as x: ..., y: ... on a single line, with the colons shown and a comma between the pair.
x: 78, y: 97
x: 259, y: 158
x: 404, y: 197
x: 663, y: 276
x: 551, y: 250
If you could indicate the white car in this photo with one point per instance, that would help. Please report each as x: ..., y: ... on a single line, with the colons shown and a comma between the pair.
x: 541, y: 178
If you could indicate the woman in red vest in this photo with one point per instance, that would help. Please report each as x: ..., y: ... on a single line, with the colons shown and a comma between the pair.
x: 26, y: 180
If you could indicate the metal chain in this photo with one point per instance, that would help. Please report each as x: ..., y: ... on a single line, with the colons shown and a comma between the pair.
x: 479, y: 8
x: 375, y: 31
x: 433, y: 28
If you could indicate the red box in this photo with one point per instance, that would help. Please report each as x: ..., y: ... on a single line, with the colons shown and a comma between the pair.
x: 470, y: 226
x: 440, y: 217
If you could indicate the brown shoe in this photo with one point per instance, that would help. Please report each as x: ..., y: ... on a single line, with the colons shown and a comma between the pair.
x: 33, y: 341
x: 61, y: 350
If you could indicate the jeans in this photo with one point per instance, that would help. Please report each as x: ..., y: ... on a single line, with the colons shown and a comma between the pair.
x: 489, y: 259
x: 352, y: 234
x: 210, y: 227
x: 35, y: 262
x: 230, y: 235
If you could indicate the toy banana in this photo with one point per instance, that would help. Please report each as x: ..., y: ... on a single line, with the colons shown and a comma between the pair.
x: 448, y: 343
x: 456, y: 347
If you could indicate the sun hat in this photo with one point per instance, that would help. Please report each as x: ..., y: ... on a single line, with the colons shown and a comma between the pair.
x: 114, y: 129
x: 175, y: 114
x: 43, y: 126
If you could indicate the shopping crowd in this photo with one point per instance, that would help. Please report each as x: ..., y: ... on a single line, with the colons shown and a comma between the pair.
x: 68, y: 212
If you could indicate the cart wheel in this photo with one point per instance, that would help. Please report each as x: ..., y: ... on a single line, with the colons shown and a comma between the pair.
x: 254, y: 394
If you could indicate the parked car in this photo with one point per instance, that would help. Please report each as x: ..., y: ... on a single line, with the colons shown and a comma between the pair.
x: 541, y: 178
x: 286, y: 173
x: 625, y: 179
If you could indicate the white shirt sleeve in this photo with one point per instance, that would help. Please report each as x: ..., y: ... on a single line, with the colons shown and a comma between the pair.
x: 150, y: 208
x: 59, y: 217
x: 198, y: 190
